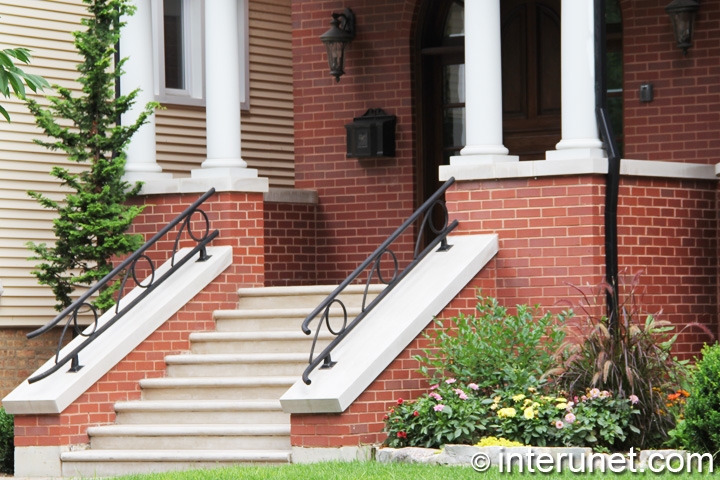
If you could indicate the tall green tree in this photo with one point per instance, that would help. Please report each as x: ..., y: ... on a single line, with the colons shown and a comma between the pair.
x: 93, y: 219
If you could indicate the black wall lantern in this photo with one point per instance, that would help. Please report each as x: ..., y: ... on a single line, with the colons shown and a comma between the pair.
x: 682, y: 16
x: 342, y: 32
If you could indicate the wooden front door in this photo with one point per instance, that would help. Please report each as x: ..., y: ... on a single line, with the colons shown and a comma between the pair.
x: 531, y: 76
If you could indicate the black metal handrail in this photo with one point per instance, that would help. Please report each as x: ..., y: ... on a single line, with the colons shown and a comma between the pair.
x: 373, y: 261
x: 126, y: 269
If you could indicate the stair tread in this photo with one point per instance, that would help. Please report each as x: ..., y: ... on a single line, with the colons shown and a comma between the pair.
x: 197, y: 405
x: 299, y: 313
x: 203, y: 429
x: 195, y: 455
x: 306, y: 290
x: 179, y: 382
x: 200, y: 358
x: 255, y: 336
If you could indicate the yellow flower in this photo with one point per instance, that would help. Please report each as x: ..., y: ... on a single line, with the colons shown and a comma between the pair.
x: 561, y: 406
x: 497, y: 399
x: 529, y: 413
x: 527, y: 402
x: 507, y: 412
x: 532, y: 389
x: 518, y: 397
x: 493, y: 406
x: 560, y: 399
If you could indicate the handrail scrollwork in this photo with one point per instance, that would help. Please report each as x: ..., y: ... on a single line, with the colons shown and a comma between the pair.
x: 126, y: 270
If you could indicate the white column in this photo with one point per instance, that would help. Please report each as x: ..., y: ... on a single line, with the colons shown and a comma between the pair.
x: 580, y: 136
x: 222, y: 93
x: 135, y: 45
x: 483, y: 86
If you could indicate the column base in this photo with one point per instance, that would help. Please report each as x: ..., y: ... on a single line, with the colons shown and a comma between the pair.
x: 575, y: 154
x: 224, y: 172
x: 482, y: 159
x: 139, y: 176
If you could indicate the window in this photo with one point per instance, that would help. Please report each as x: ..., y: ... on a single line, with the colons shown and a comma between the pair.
x: 178, y: 46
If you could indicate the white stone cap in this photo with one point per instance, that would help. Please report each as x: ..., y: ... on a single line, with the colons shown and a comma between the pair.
x: 56, y: 392
x: 587, y: 166
x: 202, y: 185
x: 390, y: 327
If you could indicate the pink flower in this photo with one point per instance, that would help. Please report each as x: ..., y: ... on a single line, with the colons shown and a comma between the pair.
x: 634, y: 399
x: 473, y: 386
x: 433, y: 387
x: 415, y: 413
x: 460, y: 393
x: 570, y: 417
x: 439, y: 407
x: 436, y: 396
x: 559, y: 424
x: 450, y: 381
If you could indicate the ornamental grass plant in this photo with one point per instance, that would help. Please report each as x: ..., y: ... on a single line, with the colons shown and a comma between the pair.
x: 628, y: 354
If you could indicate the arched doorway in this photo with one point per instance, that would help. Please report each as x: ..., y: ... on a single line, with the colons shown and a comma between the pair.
x: 531, y: 82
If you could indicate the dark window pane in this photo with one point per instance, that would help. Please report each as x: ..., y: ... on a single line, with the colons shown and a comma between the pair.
x: 454, y: 84
x: 173, y: 37
x: 454, y: 127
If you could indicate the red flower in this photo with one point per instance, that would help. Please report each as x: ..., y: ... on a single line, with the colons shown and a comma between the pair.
x: 415, y: 413
x: 385, y: 417
x: 400, y: 401
x: 402, y: 435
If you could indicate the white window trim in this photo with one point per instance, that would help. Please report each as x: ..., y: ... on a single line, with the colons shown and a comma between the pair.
x: 193, y: 23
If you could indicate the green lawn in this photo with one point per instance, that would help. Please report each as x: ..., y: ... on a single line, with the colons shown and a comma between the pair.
x: 373, y: 470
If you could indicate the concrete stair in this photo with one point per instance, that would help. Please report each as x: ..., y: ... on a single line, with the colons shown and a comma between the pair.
x: 219, y: 403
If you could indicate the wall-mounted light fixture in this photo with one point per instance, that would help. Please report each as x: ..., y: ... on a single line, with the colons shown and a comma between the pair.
x: 342, y: 32
x: 682, y: 16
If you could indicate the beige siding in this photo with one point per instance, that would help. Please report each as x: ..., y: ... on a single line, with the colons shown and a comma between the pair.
x: 45, y: 27
x: 267, y: 128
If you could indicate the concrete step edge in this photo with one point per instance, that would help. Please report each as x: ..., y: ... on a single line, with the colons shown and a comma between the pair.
x: 298, y: 314
x: 198, y: 406
x: 176, y: 456
x: 306, y: 290
x: 257, y: 336
x: 189, y: 430
x: 217, y: 382
x: 232, y: 358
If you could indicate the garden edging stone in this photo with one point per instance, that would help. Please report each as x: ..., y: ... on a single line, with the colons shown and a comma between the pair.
x: 462, y: 455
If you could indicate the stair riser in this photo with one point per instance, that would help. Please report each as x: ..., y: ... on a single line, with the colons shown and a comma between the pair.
x: 236, y: 369
x: 215, y: 393
x: 297, y: 301
x: 257, y: 346
x: 290, y: 324
x: 205, y: 442
x: 196, y: 418
x: 110, y: 469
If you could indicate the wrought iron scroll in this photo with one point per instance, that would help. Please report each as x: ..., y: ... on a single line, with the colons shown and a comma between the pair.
x: 126, y: 270
x: 373, y: 262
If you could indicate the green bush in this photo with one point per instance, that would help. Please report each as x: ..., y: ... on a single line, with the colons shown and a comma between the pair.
x: 702, y: 412
x: 7, y: 445
x: 450, y: 413
x: 494, y: 348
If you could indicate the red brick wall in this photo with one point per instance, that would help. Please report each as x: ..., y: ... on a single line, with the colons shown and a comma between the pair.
x: 20, y: 356
x: 362, y: 201
x: 239, y: 217
x: 667, y: 229
x: 550, y: 232
x: 290, y: 244
x: 683, y: 121
x: 362, y: 422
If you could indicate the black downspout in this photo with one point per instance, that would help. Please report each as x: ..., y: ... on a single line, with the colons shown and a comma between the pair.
x: 612, y: 185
